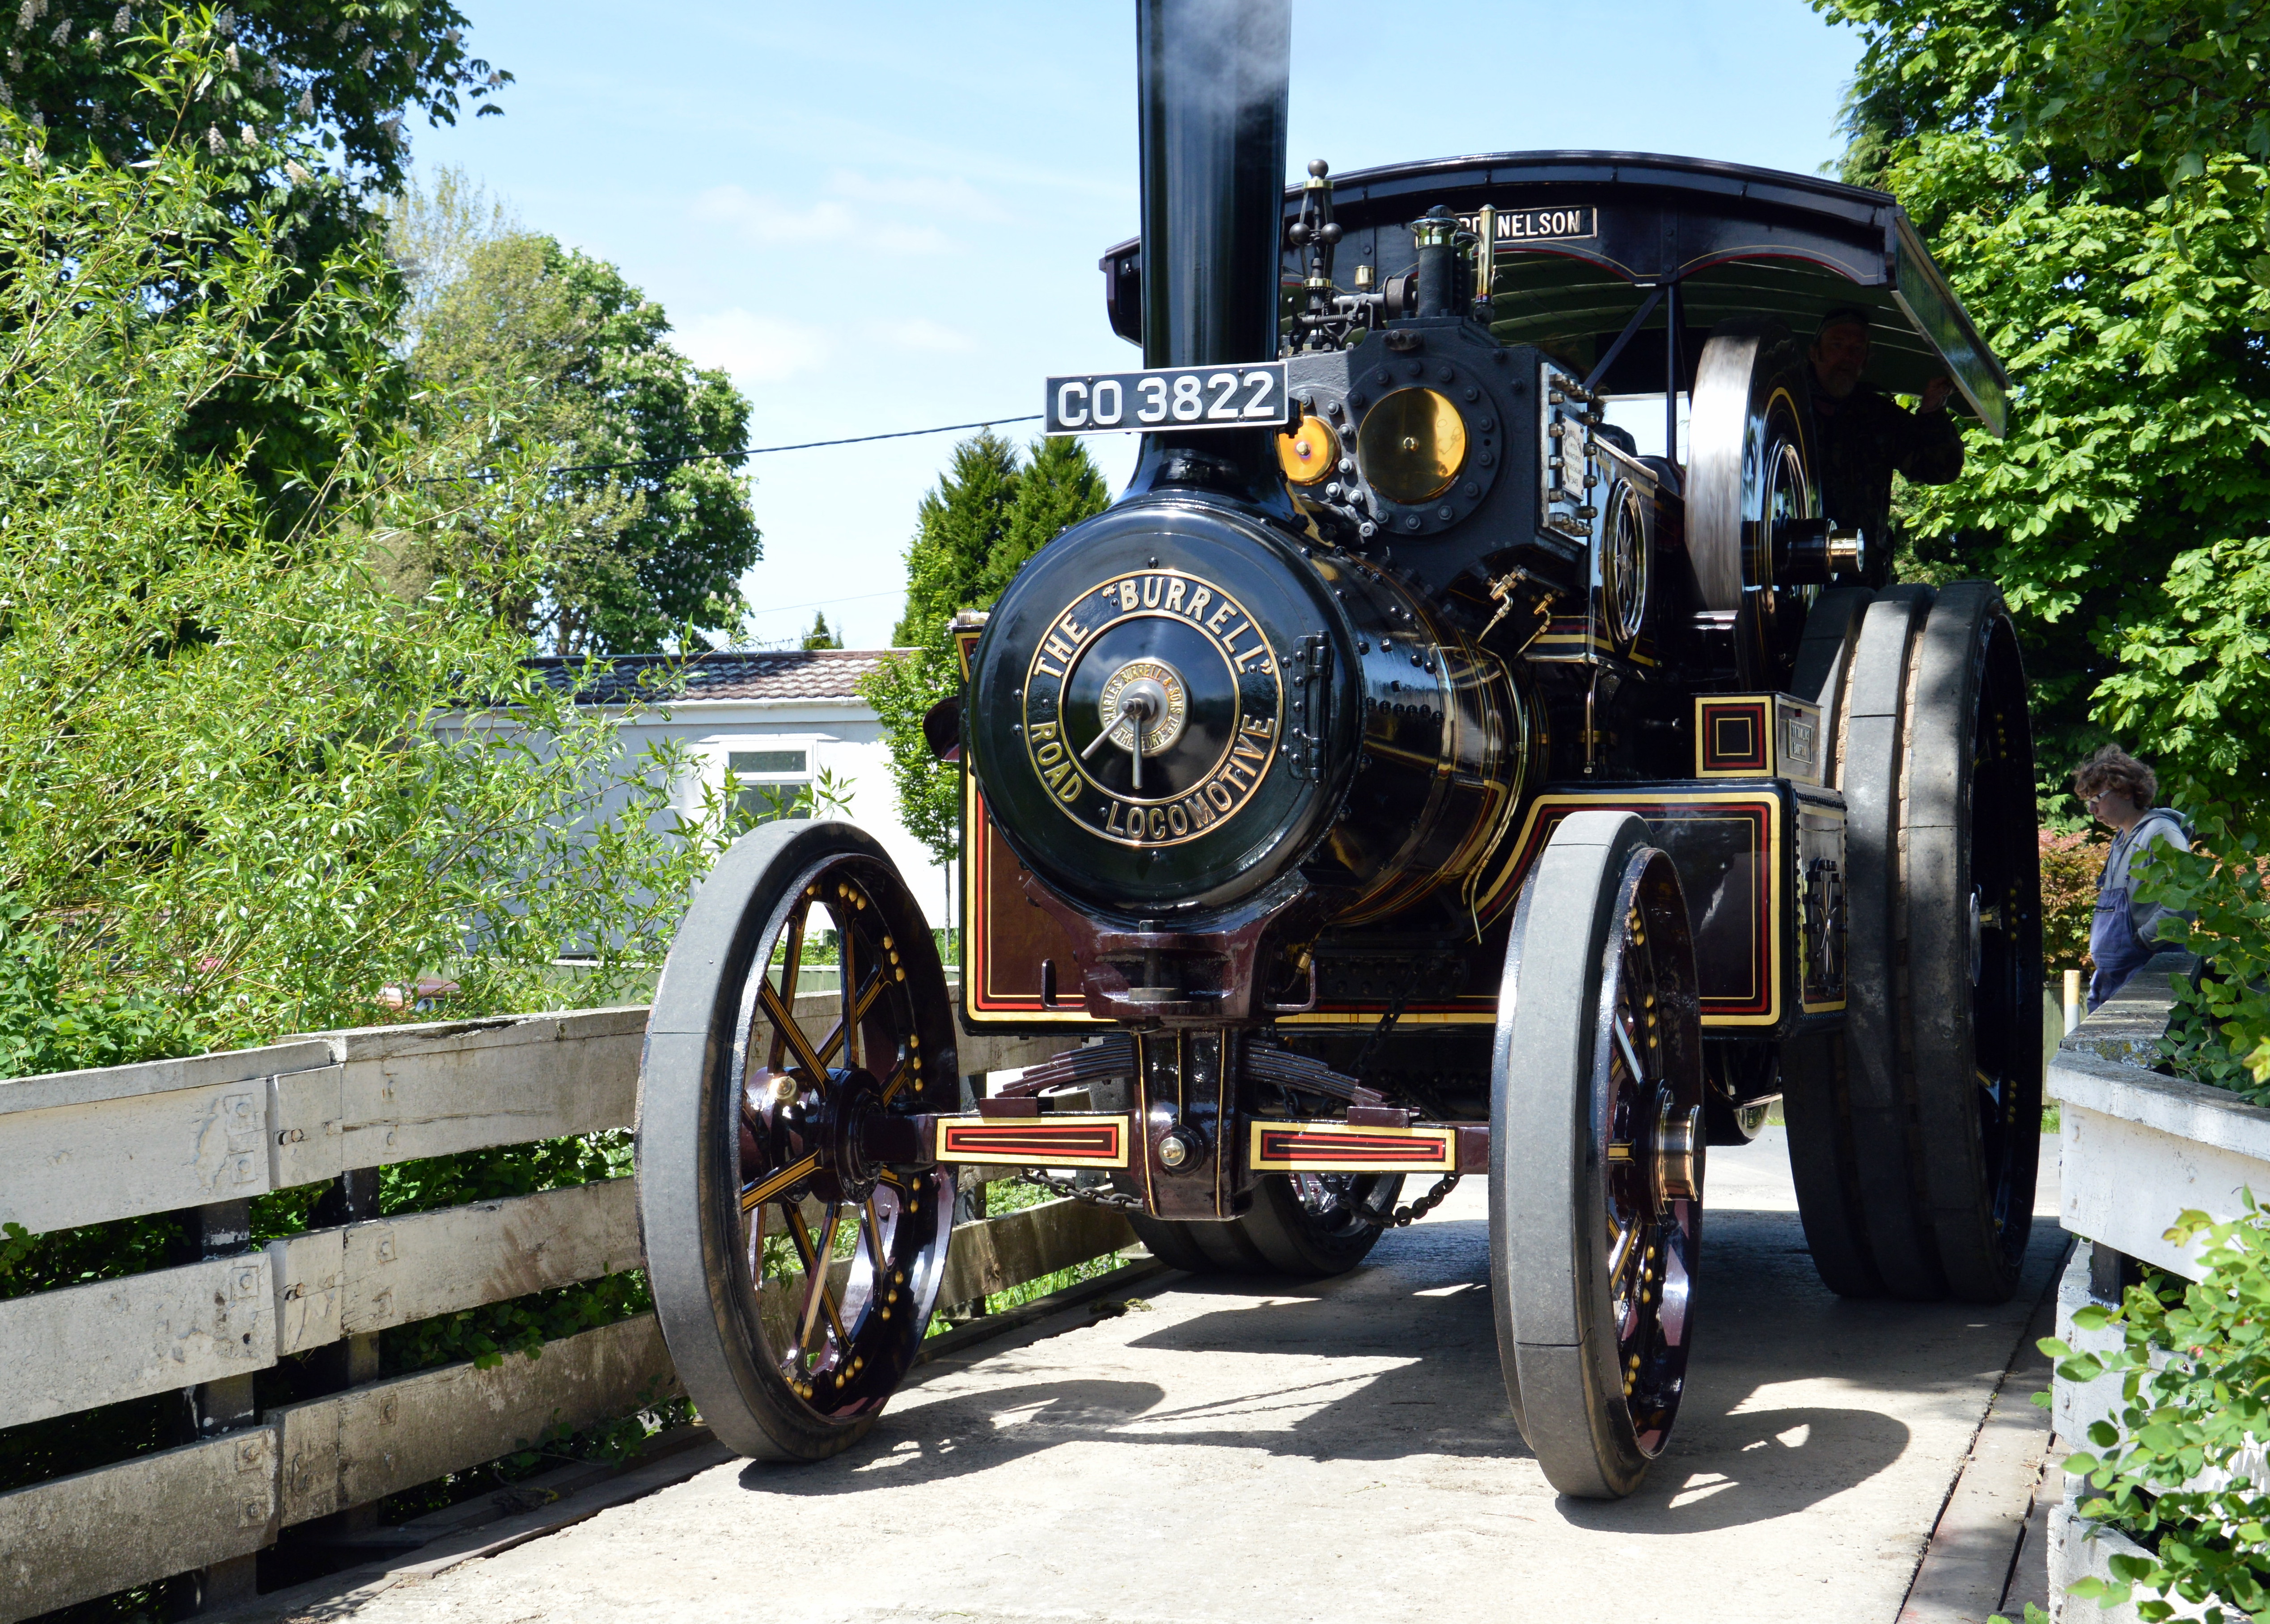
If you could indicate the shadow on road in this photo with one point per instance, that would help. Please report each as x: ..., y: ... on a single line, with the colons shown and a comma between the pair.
x: 1399, y: 1361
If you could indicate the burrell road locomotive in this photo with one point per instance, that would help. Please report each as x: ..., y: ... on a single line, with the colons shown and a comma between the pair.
x: 1471, y: 746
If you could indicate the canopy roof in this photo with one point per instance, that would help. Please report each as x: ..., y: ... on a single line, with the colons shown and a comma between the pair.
x: 1584, y: 239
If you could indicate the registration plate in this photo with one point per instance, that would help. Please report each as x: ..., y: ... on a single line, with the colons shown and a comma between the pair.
x: 1175, y: 398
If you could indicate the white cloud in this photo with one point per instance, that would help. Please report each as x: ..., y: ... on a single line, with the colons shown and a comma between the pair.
x: 944, y: 197
x: 767, y: 219
x: 755, y: 349
x: 894, y: 210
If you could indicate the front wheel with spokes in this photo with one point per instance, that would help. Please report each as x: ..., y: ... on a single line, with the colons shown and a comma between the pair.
x: 794, y: 1242
x: 1597, y: 1155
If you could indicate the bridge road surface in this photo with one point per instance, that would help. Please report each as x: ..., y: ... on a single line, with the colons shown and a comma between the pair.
x: 1240, y: 1450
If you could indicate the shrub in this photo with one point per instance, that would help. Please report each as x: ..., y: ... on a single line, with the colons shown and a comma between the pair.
x: 2219, y: 1032
x: 2070, y: 865
x: 246, y: 788
x: 2179, y: 1471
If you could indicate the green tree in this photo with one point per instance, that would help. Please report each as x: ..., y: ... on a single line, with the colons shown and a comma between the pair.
x: 538, y: 342
x: 1058, y: 487
x: 820, y: 636
x: 245, y: 789
x: 432, y: 229
x: 298, y: 112
x: 960, y: 524
x: 986, y: 516
x: 2092, y: 176
x: 342, y: 76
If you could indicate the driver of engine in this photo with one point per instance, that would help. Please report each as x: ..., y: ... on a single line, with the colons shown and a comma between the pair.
x: 1865, y: 436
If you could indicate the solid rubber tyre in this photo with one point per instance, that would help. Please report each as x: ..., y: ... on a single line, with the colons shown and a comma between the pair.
x: 734, y: 1120
x: 1816, y: 1094
x: 1970, y: 880
x: 1887, y: 1179
x: 1596, y: 1112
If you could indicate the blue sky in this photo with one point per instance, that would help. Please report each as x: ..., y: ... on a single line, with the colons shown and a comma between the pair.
x: 884, y: 216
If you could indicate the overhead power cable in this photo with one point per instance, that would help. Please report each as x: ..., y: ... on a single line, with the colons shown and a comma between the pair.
x: 713, y: 457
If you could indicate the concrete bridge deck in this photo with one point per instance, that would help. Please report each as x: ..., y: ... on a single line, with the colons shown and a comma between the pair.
x: 1232, y: 1450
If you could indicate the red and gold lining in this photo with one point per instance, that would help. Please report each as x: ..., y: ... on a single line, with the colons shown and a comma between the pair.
x: 1336, y: 1148
x: 1035, y: 1141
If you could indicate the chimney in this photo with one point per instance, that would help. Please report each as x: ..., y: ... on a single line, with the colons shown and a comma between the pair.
x: 1211, y: 78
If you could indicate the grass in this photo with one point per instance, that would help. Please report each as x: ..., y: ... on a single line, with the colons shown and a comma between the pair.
x: 1014, y: 1196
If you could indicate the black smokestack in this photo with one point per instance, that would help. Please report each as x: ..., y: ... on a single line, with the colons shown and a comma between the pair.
x: 1212, y: 76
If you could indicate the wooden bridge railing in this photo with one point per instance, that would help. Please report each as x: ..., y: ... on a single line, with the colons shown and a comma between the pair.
x: 201, y: 1137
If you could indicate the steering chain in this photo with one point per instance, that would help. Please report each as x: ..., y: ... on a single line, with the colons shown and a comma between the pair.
x: 1095, y: 1195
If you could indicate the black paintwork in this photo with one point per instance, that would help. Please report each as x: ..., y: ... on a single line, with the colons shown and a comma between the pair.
x: 1736, y: 240
x: 1211, y: 88
x: 1230, y: 550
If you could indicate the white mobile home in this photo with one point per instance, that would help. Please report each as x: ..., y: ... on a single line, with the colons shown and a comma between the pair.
x: 777, y: 719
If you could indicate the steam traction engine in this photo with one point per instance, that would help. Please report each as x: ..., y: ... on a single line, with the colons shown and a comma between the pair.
x: 1409, y: 779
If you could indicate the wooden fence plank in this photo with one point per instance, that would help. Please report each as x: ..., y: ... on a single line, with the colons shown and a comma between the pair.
x: 122, y: 1157
x: 374, y: 1441
x: 122, y: 1141
x: 404, y: 1269
x: 85, y: 1147
x: 309, y: 1271
x: 80, y: 1537
x: 1020, y: 1247
x: 441, y: 1089
x: 121, y: 1082
x: 100, y: 1343
x: 306, y: 1113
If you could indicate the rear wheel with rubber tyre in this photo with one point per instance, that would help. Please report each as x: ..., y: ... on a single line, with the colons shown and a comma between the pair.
x: 794, y: 1246
x: 1940, y: 1077
x: 1597, y: 1155
x: 1970, y: 879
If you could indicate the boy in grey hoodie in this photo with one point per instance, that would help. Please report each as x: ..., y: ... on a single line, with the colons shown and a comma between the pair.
x: 2118, y: 791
